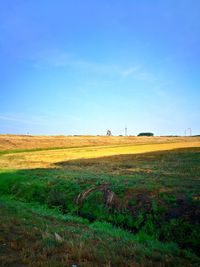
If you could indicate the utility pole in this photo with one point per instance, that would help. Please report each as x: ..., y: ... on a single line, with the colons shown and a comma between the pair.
x: 190, y: 130
x: 125, y: 131
x: 185, y: 132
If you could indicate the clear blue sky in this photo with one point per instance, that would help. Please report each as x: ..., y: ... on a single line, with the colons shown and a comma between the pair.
x: 82, y: 67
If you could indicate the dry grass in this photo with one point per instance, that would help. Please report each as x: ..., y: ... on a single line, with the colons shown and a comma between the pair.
x: 47, y: 158
x: 8, y: 142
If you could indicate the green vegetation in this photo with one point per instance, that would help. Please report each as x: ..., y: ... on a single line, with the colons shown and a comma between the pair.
x: 146, y: 134
x: 33, y: 235
x: 13, y: 151
x: 144, y: 209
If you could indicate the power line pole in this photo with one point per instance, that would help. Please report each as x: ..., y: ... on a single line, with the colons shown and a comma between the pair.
x: 190, y: 130
x: 125, y: 131
x: 185, y: 132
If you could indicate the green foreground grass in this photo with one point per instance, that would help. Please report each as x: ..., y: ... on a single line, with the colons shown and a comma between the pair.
x: 152, y: 218
x: 34, y: 235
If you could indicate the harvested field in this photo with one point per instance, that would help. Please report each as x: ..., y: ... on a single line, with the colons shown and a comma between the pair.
x: 47, y: 157
x: 13, y: 142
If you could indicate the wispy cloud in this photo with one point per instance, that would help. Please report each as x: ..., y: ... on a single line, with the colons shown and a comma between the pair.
x: 48, y: 119
x: 9, y: 118
x: 55, y: 58
x: 147, y: 76
x: 22, y: 119
x: 58, y: 59
x: 130, y: 71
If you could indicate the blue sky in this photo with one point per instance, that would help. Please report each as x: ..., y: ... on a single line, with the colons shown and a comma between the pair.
x: 82, y: 67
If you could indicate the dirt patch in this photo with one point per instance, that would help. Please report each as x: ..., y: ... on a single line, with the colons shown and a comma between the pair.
x: 184, y: 209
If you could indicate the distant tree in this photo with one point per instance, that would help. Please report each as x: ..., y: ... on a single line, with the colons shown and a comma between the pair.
x: 146, y: 134
x: 109, y: 133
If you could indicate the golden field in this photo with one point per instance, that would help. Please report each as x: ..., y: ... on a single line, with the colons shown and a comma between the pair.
x: 80, y: 147
x: 8, y: 142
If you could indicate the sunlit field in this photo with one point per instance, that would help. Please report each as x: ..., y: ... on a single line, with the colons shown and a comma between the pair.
x: 40, y: 155
x: 99, y: 201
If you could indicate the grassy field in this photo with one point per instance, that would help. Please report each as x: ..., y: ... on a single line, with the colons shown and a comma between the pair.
x: 134, y: 203
x: 27, y: 142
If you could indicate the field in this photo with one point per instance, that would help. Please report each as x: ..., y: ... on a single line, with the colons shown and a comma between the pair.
x: 99, y: 201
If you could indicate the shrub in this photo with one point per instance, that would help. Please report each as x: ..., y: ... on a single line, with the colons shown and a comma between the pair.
x: 146, y: 134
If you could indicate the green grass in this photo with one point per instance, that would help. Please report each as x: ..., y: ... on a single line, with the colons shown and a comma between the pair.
x: 14, y: 151
x: 28, y: 236
x: 156, y: 205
